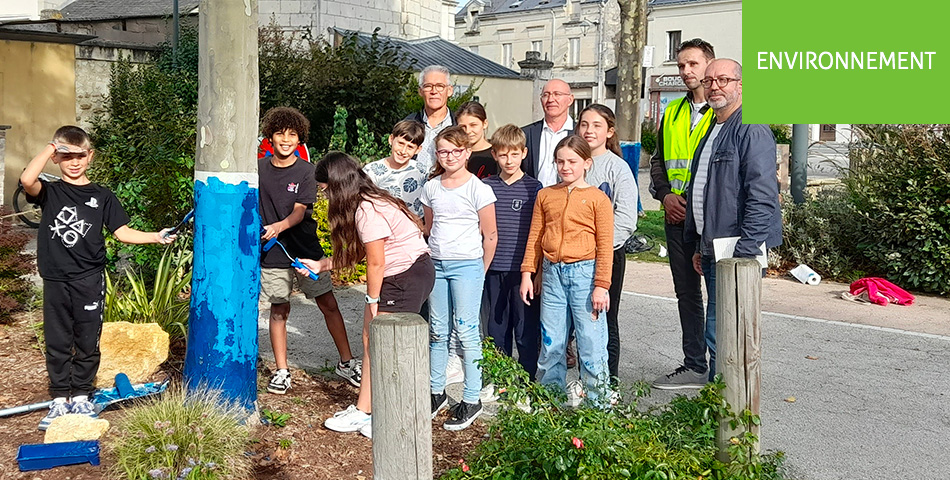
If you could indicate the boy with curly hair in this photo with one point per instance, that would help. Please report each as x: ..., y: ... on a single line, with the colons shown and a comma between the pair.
x: 287, y: 193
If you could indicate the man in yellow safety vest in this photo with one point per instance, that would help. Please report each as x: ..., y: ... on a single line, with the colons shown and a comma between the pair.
x: 685, y: 122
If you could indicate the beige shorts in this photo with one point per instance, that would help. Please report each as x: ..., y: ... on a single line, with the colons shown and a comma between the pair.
x: 278, y: 283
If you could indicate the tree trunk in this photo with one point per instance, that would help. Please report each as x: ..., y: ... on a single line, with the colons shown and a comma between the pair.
x: 633, y: 29
x: 222, y: 330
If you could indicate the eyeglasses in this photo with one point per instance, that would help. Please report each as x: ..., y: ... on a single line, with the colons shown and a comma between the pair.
x: 721, y: 81
x: 437, y: 87
x: 456, y: 152
x: 556, y: 95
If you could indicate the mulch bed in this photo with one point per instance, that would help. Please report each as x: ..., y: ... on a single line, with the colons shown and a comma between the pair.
x: 314, y: 452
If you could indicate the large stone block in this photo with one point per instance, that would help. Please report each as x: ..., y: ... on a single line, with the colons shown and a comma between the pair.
x: 135, y: 349
x: 74, y: 428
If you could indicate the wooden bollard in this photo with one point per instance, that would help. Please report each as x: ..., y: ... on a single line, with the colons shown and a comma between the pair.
x: 402, y: 425
x: 738, y: 343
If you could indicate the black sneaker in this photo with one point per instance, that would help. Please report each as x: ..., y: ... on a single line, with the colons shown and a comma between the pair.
x: 439, y: 402
x: 462, y: 416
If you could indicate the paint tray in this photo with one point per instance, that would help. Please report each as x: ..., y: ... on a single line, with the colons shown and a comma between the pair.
x: 42, y: 456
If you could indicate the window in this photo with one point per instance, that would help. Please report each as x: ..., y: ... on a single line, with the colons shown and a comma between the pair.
x: 579, y: 105
x: 506, y: 55
x: 537, y: 45
x: 675, y: 38
x: 574, y: 52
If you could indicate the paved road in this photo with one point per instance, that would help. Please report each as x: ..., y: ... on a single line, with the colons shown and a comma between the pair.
x: 873, y: 405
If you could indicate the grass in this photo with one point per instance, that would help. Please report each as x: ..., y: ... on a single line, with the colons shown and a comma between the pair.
x: 652, y: 227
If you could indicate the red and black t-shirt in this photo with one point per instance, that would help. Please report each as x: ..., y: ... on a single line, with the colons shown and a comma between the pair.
x: 281, y: 188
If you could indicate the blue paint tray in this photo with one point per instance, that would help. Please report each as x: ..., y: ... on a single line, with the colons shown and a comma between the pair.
x: 42, y: 456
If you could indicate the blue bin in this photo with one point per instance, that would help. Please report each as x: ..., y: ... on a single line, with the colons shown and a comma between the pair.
x: 631, y: 155
x: 43, y: 456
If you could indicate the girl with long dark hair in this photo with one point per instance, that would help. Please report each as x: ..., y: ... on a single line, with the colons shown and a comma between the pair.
x: 366, y: 221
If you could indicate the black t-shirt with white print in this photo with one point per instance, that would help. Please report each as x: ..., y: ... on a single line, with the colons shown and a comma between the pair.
x: 281, y: 188
x: 70, y: 244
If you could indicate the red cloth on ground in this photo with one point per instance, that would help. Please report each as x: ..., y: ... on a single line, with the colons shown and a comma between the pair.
x: 881, y: 291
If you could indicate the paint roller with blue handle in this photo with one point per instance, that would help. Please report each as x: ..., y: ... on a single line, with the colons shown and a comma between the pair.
x: 294, y: 262
x: 182, y: 223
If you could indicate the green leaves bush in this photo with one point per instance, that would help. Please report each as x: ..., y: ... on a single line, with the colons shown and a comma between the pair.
x: 130, y: 300
x: 672, y: 441
x: 16, y: 292
x: 899, y: 184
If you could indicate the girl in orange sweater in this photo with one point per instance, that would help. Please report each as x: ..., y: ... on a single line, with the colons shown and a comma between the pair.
x: 572, y: 237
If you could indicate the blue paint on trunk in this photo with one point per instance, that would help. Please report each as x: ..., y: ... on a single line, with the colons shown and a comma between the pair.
x: 222, y: 333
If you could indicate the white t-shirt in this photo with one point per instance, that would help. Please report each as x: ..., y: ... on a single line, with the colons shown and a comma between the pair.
x: 455, y: 233
x: 702, y: 173
x: 547, y: 171
x: 405, y: 183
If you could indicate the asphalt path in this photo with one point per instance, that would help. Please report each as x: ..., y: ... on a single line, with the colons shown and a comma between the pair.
x: 869, y: 383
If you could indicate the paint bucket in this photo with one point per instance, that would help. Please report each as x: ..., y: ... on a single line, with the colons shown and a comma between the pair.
x: 806, y: 275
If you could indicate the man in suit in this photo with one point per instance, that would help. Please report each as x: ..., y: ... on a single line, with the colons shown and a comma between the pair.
x: 542, y: 136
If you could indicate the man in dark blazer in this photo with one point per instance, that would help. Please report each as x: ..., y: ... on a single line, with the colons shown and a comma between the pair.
x: 542, y: 136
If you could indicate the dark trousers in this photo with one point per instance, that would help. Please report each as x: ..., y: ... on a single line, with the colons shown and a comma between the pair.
x: 613, y: 329
x: 509, y: 319
x: 689, y: 298
x: 72, y: 323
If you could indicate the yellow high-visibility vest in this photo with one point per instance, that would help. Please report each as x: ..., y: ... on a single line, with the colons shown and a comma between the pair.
x: 680, y: 141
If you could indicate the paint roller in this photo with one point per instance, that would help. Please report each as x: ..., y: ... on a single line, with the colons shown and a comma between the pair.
x: 182, y: 223
x: 294, y: 262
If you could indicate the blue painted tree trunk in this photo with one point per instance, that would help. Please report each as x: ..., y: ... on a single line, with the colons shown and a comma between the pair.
x: 222, y: 331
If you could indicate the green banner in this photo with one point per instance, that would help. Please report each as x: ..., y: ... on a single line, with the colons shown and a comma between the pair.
x: 845, y: 61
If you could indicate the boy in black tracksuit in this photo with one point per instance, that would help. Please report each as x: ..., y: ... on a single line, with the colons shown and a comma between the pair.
x: 71, y: 255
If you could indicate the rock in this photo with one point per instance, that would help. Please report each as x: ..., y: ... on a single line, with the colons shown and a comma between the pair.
x: 135, y: 349
x: 74, y: 427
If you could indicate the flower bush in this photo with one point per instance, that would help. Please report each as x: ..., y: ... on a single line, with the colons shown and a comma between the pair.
x: 672, y: 441
x: 181, y: 435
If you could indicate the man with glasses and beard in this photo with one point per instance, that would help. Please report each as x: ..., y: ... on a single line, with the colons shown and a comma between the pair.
x: 734, y: 189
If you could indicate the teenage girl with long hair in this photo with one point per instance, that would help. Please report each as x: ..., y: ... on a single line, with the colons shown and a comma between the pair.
x: 612, y: 176
x: 366, y: 221
x: 571, y: 237
x: 471, y: 116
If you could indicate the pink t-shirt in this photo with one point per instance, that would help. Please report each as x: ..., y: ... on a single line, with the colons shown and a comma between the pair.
x: 404, y: 244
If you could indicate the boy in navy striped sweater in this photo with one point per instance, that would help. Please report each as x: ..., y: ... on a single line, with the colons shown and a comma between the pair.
x: 508, y: 317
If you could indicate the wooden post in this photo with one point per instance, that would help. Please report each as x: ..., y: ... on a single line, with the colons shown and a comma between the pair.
x: 402, y: 425
x: 738, y: 343
x: 782, y: 155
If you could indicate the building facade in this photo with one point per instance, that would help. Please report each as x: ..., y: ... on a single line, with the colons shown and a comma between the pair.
x: 578, y: 36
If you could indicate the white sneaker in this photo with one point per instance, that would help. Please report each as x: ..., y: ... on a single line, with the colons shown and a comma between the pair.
x: 575, y: 393
x: 367, y: 430
x: 279, y: 382
x: 488, y: 393
x: 454, y: 372
x: 349, y: 420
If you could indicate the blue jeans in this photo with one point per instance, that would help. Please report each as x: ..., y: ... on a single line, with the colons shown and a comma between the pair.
x: 709, y: 275
x: 457, y: 295
x: 568, y: 287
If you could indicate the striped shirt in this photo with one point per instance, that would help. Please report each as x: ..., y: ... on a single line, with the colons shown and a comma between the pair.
x: 514, y: 205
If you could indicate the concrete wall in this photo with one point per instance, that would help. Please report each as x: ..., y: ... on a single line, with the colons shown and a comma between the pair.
x: 37, y: 96
x: 506, y: 100
x: 410, y: 19
x: 93, y: 73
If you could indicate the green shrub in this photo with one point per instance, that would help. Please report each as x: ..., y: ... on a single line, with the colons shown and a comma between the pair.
x: 193, y: 435
x: 131, y: 301
x: 822, y: 233
x: 899, y: 183
x: 673, y: 441
x: 16, y: 292
x: 366, y: 148
x: 648, y: 137
x: 782, y: 133
x: 368, y: 78
x: 145, y: 145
